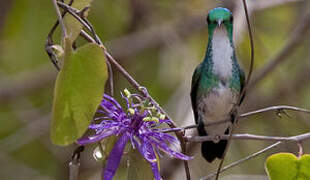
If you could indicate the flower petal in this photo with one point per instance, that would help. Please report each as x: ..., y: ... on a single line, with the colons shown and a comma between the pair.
x: 164, y: 147
x: 165, y: 137
x: 91, y: 139
x: 145, y: 149
x: 115, y: 157
x: 155, y: 170
x: 113, y: 101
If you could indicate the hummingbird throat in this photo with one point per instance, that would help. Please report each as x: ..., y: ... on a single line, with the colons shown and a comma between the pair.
x: 222, y: 52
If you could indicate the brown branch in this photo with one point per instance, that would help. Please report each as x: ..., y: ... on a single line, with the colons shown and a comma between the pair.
x: 279, y: 109
x: 297, y: 138
x: 275, y: 108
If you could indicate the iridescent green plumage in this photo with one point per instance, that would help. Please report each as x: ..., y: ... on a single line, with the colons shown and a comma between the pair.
x: 217, y: 81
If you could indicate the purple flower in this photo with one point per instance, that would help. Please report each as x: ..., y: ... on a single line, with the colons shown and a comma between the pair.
x: 136, y: 125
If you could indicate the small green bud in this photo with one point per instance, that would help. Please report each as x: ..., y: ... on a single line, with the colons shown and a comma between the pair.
x: 127, y: 92
x: 147, y: 119
x: 131, y: 111
x: 162, y: 116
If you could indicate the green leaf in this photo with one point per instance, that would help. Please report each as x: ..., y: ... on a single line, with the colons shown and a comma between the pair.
x: 73, y: 26
x: 286, y: 166
x: 78, y: 91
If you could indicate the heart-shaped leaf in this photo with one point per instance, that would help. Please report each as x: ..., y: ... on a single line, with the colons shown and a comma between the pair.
x: 78, y: 91
x: 286, y: 166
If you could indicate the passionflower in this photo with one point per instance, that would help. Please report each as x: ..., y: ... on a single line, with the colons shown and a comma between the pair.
x: 137, y: 125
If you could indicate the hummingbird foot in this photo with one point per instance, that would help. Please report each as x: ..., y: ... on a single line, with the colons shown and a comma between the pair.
x: 216, y: 138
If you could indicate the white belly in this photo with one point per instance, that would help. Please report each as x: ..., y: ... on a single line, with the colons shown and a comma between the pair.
x: 216, y: 107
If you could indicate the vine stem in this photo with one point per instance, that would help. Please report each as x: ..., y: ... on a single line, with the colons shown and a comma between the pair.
x: 60, y: 20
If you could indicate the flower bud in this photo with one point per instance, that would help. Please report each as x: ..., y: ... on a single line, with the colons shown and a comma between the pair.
x: 131, y: 111
x: 162, y: 116
x: 147, y: 119
x: 127, y: 92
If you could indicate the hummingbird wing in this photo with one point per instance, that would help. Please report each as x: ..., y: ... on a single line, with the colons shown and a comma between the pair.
x: 195, y: 80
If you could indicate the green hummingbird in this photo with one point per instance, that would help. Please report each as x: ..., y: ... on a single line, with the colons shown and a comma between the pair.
x: 217, y: 83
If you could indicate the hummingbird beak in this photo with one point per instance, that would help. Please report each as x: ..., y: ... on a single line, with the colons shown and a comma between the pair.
x: 219, y: 23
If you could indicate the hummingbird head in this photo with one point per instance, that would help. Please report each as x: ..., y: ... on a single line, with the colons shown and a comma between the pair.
x: 219, y: 17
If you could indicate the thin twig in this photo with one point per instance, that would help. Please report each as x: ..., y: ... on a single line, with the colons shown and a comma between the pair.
x: 275, y: 108
x: 251, y: 49
x: 62, y: 25
x: 297, y: 138
x: 242, y: 160
x: 186, y: 167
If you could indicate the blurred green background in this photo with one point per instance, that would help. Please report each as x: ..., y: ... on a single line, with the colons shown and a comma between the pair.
x: 159, y: 42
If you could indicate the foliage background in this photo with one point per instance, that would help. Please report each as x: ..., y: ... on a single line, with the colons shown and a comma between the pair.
x: 159, y: 42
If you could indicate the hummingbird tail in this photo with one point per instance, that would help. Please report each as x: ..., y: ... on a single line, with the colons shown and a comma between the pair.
x: 211, y: 150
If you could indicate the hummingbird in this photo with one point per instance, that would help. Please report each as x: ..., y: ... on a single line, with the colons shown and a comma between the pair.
x: 217, y: 83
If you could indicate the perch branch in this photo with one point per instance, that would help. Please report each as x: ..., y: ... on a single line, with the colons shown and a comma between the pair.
x: 297, y: 138
x: 279, y: 109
